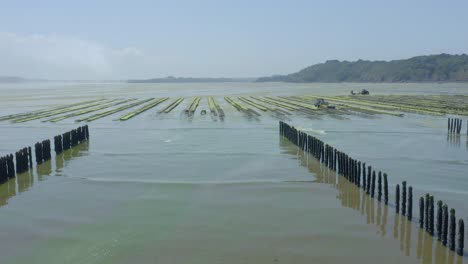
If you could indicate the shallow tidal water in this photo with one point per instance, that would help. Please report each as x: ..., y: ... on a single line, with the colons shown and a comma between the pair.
x: 168, y: 189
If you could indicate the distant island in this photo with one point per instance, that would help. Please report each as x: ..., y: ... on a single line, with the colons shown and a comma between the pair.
x: 19, y: 80
x: 12, y: 79
x: 171, y: 79
x: 432, y: 68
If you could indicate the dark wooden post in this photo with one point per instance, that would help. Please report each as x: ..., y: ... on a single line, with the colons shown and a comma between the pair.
x: 397, y: 198
x: 364, y: 184
x: 46, y: 155
x: 335, y: 157
x: 410, y: 203
x: 385, y: 188
x: 11, y: 166
x: 358, y: 175
x: 421, y: 212
x: 38, y: 150
x: 439, y: 220
x: 3, y: 176
x: 30, y: 157
x: 403, y: 199
x: 379, y: 187
x: 431, y: 215
x: 444, y: 224
x: 369, y: 171
x: 426, y: 213
x: 461, y: 237
x: 452, y: 230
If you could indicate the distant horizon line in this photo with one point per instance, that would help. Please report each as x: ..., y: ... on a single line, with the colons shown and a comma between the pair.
x: 27, y: 79
x: 207, y: 82
x: 181, y: 79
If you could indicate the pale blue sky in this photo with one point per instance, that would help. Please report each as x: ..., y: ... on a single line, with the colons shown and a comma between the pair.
x: 141, y: 39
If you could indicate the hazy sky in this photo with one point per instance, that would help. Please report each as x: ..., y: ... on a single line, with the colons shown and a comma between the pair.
x: 92, y: 39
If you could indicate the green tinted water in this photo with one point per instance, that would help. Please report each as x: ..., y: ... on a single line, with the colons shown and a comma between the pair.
x: 164, y: 189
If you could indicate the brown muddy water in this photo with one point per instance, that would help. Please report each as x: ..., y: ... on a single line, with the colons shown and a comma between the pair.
x: 167, y: 189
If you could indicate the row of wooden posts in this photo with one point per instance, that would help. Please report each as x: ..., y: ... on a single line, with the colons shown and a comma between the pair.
x: 454, y: 125
x: 350, y: 168
x: 355, y: 170
x: 445, y: 223
x: 42, y: 150
x: 70, y: 139
x: 446, y: 230
x: 7, y: 168
x: 24, y: 160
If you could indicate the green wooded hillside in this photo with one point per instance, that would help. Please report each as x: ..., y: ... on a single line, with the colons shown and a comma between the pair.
x: 432, y: 68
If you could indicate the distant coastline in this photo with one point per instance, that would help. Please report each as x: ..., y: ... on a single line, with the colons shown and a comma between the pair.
x: 15, y: 79
x: 171, y: 79
x: 19, y: 80
x: 430, y: 69
x: 442, y: 68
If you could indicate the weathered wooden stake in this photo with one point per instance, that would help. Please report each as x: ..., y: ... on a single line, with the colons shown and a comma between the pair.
x: 364, y: 184
x: 38, y: 150
x: 335, y: 157
x: 385, y: 188
x: 426, y: 213
x: 11, y: 166
x: 410, y: 203
x: 30, y: 157
x: 369, y: 169
x: 461, y: 237
x: 397, y: 198
x: 431, y: 215
x: 379, y: 187
x: 439, y: 220
x: 373, y: 184
x: 3, y: 170
x: 452, y: 230
x: 444, y: 224
x: 403, y: 199
x: 58, y: 145
x: 358, y: 175
x: 421, y: 212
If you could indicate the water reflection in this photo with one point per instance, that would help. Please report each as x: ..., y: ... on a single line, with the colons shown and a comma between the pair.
x: 25, y: 181
x: 384, y: 221
x: 408, y: 237
x: 349, y: 195
x: 395, y: 226
x: 454, y: 140
x: 44, y: 169
x: 62, y: 159
x: 59, y: 163
x: 419, y: 246
x: 425, y: 247
x: 7, y: 190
